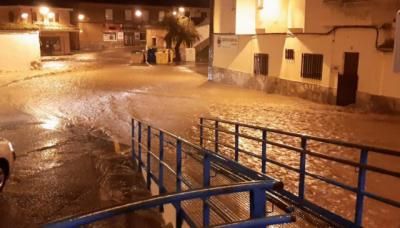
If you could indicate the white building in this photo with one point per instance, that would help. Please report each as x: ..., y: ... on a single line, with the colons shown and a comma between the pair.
x: 329, y: 51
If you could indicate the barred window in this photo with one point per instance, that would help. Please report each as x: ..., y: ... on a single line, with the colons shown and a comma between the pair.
x: 289, y: 54
x: 311, y: 66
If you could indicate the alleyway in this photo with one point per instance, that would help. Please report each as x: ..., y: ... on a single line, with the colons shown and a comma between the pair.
x: 169, y: 97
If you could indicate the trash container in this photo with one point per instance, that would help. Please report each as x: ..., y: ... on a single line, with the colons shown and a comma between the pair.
x: 162, y: 57
x: 151, y: 55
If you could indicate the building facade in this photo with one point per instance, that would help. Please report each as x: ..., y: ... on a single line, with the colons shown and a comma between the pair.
x: 123, y: 25
x: 54, y: 25
x: 329, y: 51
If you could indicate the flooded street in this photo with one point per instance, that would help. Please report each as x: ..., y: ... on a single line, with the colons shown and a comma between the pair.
x: 46, y: 117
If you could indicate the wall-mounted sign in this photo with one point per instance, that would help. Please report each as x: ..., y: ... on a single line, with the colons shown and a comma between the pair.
x: 109, y: 36
x: 227, y: 41
x: 137, y: 35
x: 120, y: 36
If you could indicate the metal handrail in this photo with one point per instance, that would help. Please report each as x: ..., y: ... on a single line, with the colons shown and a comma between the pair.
x: 314, y: 138
x: 256, y: 188
x: 209, y: 161
x: 214, y: 125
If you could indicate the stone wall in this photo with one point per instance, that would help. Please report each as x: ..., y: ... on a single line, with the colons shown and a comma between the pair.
x: 306, y: 91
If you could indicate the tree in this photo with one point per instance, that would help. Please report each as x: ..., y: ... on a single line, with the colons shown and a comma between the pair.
x: 180, y: 29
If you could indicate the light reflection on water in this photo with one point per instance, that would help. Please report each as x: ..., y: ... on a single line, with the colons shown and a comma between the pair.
x: 335, y: 199
x: 50, y: 124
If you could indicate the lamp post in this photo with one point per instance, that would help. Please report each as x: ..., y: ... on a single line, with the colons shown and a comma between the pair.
x: 24, y: 16
x: 81, y: 17
x: 181, y: 10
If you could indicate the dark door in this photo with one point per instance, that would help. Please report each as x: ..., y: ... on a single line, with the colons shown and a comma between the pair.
x: 261, y: 64
x: 129, y: 39
x: 348, y: 81
x: 50, y: 45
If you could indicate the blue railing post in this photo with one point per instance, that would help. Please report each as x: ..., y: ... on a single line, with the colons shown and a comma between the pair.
x: 216, y: 137
x: 148, y: 157
x: 139, y: 145
x: 201, y: 131
x: 237, y: 142
x: 161, y: 168
x: 302, y: 167
x: 133, y: 140
x: 179, y: 215
x: 362, y: 176
x: 258, y: 200
x: 264, y: 152
x: 206, y: 184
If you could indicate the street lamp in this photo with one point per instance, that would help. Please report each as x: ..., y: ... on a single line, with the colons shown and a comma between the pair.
x: 44, y: 10
x: 174, y: 13
x: 81, y: 17
x: 138, y: 13
x: 181, y: 10
x: 51, y: 15
x: 24, y: 16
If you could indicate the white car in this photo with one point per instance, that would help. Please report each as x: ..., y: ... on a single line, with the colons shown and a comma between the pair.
x: 7, y: 158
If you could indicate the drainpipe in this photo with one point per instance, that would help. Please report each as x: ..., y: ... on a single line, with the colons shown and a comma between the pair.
x: 211, y: 40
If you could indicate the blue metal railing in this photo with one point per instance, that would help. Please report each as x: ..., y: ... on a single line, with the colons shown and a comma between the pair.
x: 256, y: 188
x: 173, y: 164
x: 158, y: 161
x: 210, y: 127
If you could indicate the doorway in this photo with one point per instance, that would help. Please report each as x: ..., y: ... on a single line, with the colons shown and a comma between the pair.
x: 129, y: 38
x: 348, y: 81
x: 50, y: 45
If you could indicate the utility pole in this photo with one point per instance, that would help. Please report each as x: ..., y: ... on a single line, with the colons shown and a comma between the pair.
x: 211, y: 40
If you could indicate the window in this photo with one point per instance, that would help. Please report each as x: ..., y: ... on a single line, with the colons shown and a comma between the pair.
x: 154, y: 41
x: 142, y: 36
x: 11, y: 17
x: 34, y: 16
x: 128, y: 15
x: 109, y: 15
x: 311, y: 66
x: 261, y: 64
x: 57, y: 17
x: 289, y: 54
x: 260, y: 4
x: 145, y: 16
x: 110, y: 36
x: 161, y: 16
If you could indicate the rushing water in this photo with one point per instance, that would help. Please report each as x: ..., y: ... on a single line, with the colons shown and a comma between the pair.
x: 174, y: 98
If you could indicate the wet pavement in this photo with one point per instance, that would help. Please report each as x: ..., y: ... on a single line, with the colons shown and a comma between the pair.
x: 105, y: 96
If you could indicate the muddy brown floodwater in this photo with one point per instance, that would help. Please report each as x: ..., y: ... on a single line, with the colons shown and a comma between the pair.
x: 174, y: 97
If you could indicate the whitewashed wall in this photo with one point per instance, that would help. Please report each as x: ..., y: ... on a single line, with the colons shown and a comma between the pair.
x: 18, y: 50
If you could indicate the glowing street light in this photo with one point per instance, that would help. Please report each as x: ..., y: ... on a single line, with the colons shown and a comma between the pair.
x: 44, y: 10
x: 81, y: 17
x: 138, y: 13
x: 181, y: 9
x: 174, y: 13
x: 51, y: 15
x: 24, y: 16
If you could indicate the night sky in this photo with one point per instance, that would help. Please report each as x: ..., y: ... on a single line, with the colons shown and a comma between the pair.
x: 70, y: 3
